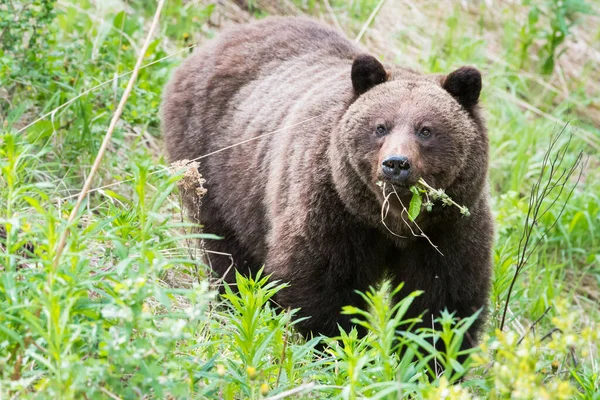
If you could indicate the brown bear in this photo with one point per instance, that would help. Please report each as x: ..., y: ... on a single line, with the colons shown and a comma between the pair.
x: 299, y: 126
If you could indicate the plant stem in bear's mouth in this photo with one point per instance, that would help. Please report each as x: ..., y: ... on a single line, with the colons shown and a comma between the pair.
x: 384, y: 211
x: 439, y: 194
x: 423, y: 188
x: 385, y: 208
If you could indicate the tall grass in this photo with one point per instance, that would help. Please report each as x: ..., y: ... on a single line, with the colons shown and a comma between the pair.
x: 127, y: 310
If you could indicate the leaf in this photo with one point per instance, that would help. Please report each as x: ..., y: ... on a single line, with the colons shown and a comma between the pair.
x: 414, y: 208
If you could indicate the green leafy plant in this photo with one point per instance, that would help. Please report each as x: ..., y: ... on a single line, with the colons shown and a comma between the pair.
x: 393, y: 358
x: 24, y: 27
x: 431, y: 196
x: 129, y: 311
x: 550, y: 21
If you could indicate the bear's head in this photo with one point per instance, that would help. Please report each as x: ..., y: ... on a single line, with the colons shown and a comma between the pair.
x: 402, y: 126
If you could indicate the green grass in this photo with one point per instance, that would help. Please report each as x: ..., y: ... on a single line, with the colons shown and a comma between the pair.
x: 127, y: 311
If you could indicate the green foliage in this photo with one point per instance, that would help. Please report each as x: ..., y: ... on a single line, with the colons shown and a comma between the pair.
x: 91, y: 325
x: 432, y: 196
x: 127, y: 311
x: 520, y: 366
x: 20, y: 20
x: 549, y: 21
x: 23, y: 28
x: 414, y: 208
x: 262, y: 353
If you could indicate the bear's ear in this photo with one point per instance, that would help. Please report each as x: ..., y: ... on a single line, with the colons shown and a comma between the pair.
x: 367, y: 72
x: 464, y: 85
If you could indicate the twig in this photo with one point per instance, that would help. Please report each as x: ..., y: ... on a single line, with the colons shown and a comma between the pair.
x: 540, y: 191
x: 443, y: 196
x: 113, y: 123
x: 549, y: 334
x: 109, y: 394
x: 573, y: 357
x: 386, y: 206
x: 206, y: 155
x: 285, y: 342
x: 533, y: 325
x: 336, y: 22
x: 422, y: 233
x: 369, y: 20
x: 300, y: 389
x: 219, y: 281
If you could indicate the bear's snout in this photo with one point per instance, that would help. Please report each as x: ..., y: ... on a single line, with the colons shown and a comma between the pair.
x: 396, y: 168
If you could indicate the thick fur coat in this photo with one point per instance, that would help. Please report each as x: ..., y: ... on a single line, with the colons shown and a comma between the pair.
x: 318, y: 117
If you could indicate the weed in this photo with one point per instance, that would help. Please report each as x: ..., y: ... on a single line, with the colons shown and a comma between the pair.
x: 128, y: 312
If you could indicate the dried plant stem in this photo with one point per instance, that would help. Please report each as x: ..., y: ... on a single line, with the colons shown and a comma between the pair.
x: 294, y: 391
x: 557, y: 178
x: 333, y: 16
x: 369, y: 20
x: 109, y: 394
x: 421, y: 232
x: 447, y: 198
x: 285, y: 342
x: 532, y: 327
x: 385, y: 206
x: 585, y: 135
x: 208, y: 154
x: 107, y: 137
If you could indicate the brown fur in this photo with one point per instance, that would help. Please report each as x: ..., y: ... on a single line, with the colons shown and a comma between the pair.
x: 304, y: 201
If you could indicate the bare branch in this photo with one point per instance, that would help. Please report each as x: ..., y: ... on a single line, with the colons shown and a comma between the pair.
x: 550, y: 184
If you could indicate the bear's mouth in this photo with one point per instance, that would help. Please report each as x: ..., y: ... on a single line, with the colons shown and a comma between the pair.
x: 399, y: 184
x: 391, y: 187
x: 393, y: 196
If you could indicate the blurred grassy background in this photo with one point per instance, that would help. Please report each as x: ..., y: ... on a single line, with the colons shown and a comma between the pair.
x: 128, y: 311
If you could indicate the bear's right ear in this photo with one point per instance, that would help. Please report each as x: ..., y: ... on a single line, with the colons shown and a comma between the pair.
x: 367, y: 72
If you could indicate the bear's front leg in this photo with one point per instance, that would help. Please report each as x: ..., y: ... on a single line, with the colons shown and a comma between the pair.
x: 458, y: 279
x: 322, y: 279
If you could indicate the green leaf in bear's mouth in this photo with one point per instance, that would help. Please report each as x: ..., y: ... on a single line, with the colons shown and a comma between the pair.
x: 414, y: 208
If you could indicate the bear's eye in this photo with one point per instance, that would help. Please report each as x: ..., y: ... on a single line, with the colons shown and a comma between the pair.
x: 424, y: 132
x: 380, y: 130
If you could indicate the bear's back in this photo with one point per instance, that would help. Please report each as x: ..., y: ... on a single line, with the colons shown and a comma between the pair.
x: 202, y: 89
x: 251, y: 82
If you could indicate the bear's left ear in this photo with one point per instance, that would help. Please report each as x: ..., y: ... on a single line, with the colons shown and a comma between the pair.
x: 367, y: 72
x: 464, y: 85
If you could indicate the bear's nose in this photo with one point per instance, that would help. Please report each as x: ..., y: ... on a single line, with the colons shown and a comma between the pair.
x: 396, y: 168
